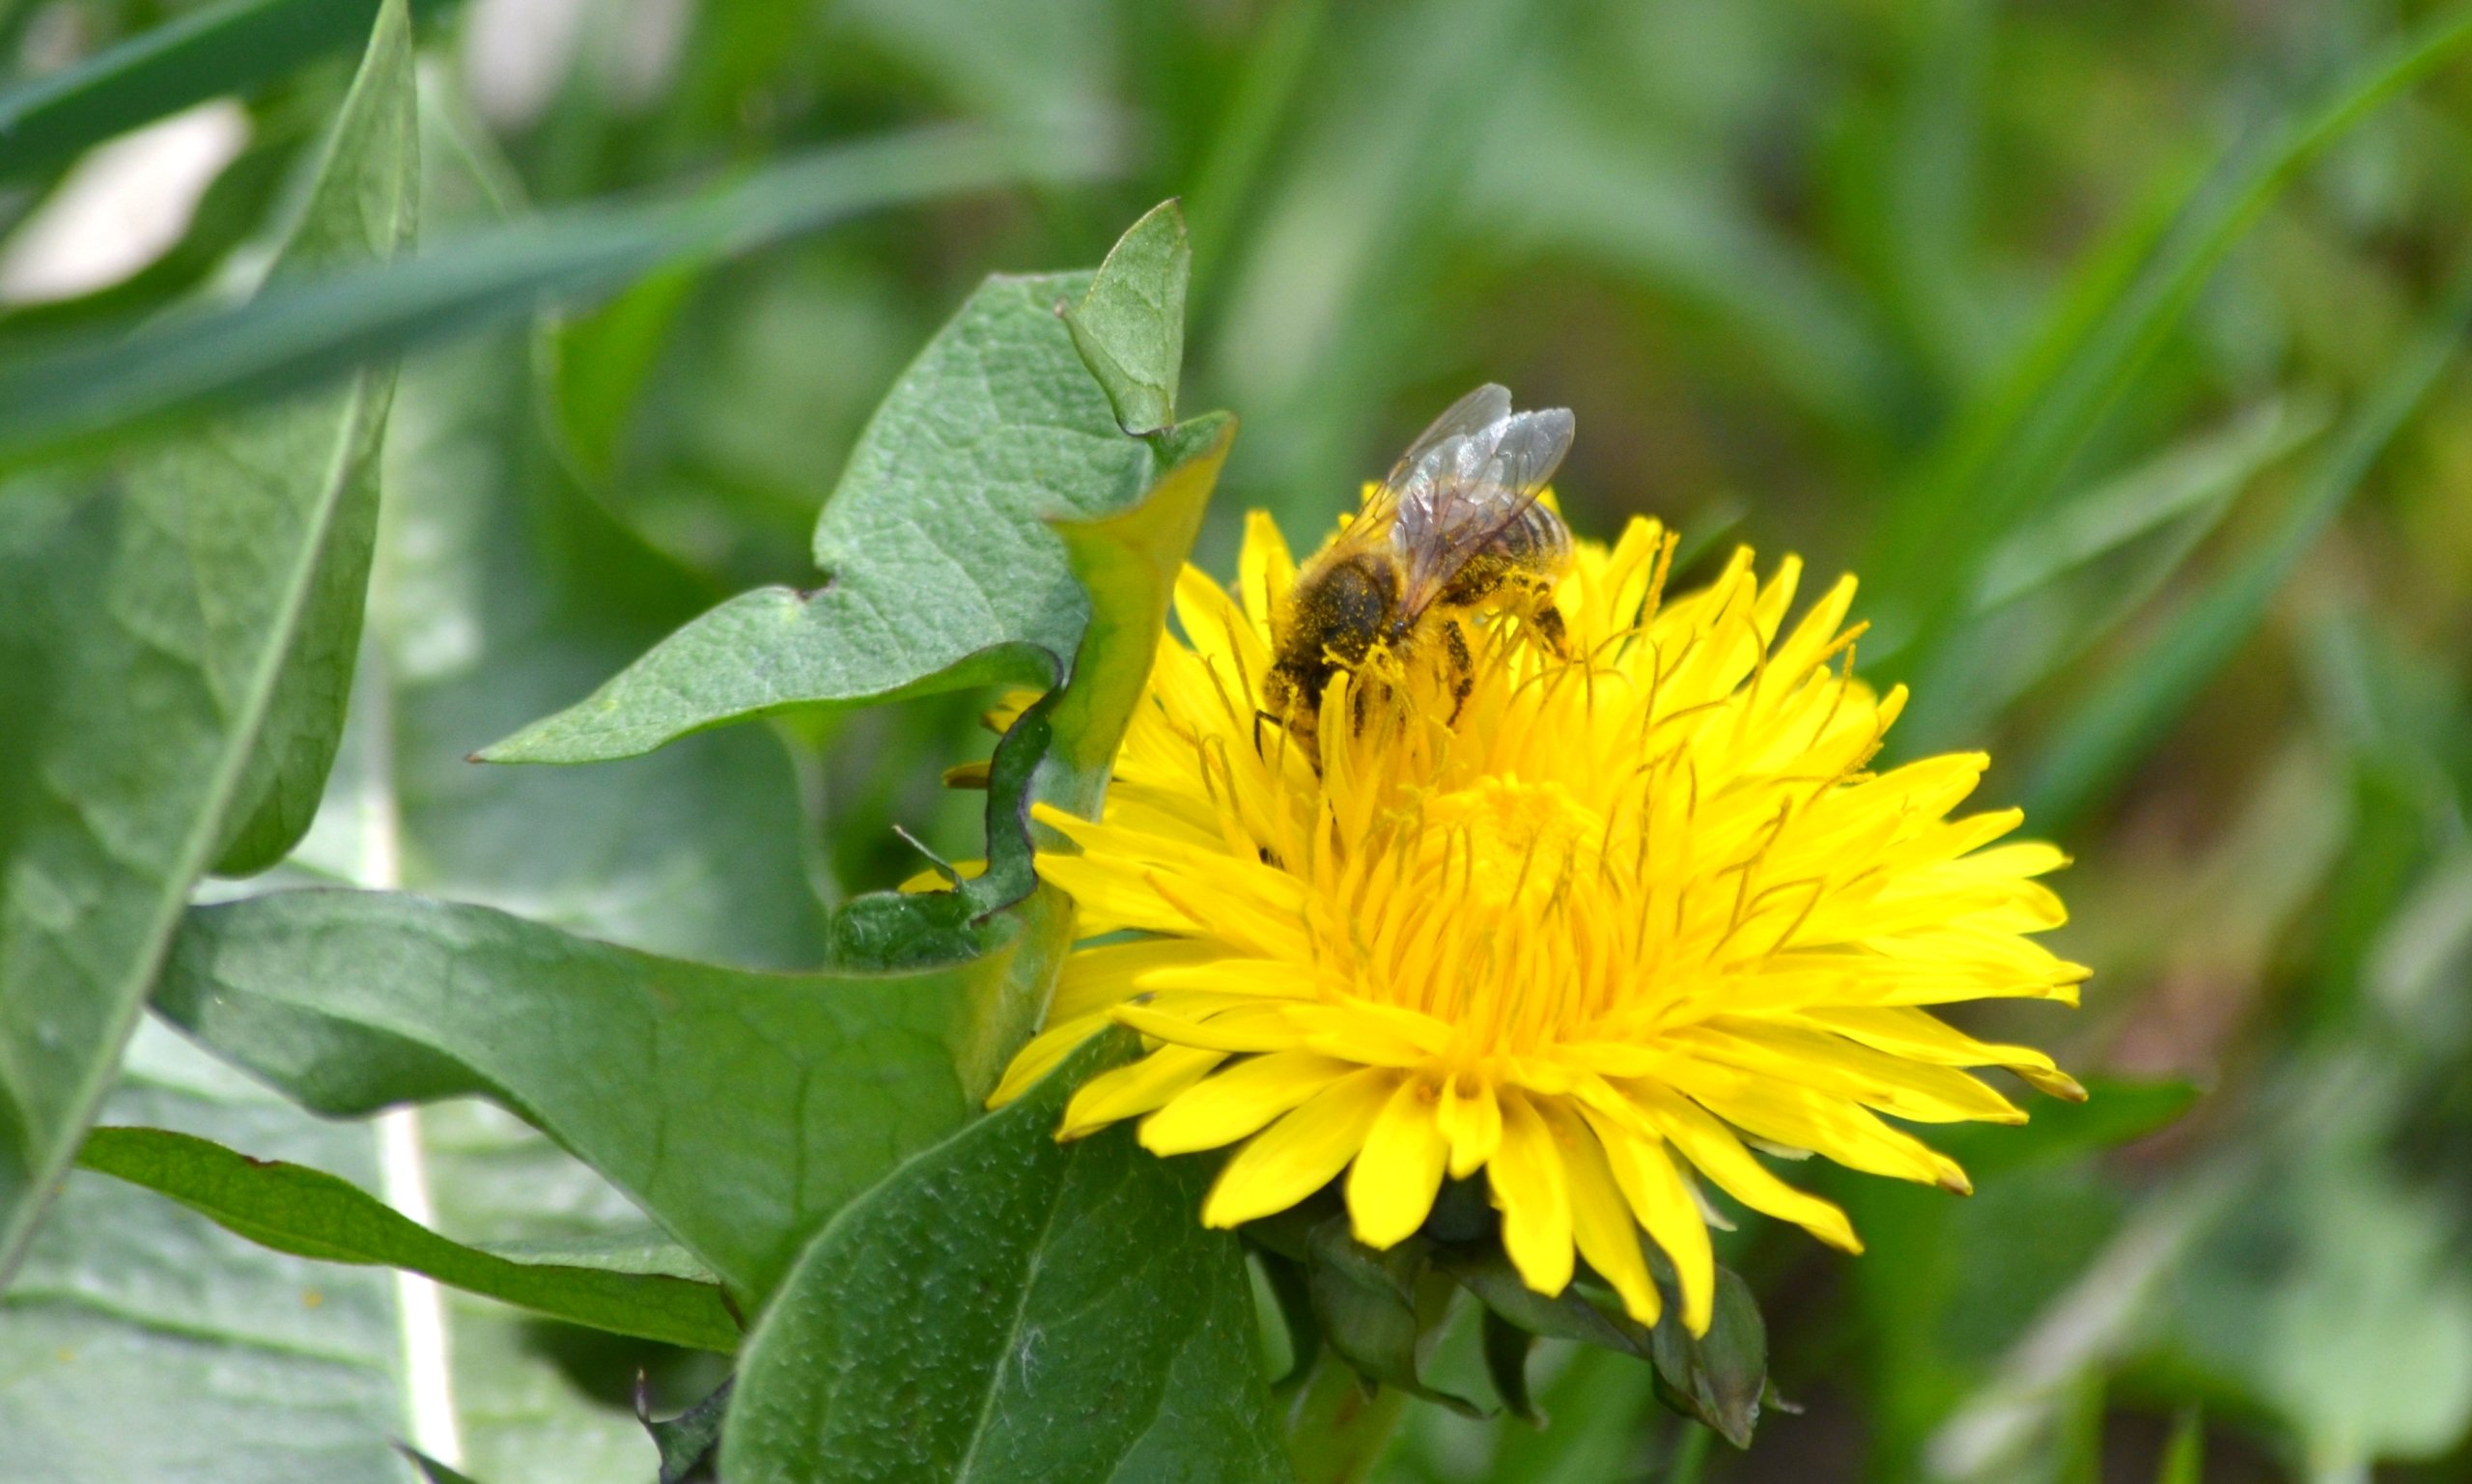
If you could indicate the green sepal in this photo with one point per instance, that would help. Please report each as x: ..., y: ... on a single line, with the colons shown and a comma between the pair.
x: 1378, y: 1310
x: 1294, y: 1298
x: 1719, y: 1378
x: 1506, y: 1350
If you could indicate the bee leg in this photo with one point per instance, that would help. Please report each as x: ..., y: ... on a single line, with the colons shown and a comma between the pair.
x: 1463, y: 668
x: 1551, y: 628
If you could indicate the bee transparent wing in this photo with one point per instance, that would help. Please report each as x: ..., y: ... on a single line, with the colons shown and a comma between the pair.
x: 1471, y: 414
x: 1469, y: 487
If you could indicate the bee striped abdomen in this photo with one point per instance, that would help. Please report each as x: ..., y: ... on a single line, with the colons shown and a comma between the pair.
x: 1537, y: 540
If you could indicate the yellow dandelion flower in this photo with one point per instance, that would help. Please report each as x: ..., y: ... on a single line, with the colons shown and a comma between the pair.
x: 1627, y: 904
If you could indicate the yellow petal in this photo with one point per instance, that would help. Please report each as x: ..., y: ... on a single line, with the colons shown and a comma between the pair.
x: 1242, y: 1028
x: 1301, y: 1153
x: 1801, y: 1118
x: 1918, y: 1035
x: 1914, y: 1090
x: 1713, y: 1148
x: 1038, y: 1058
x: 1391, y: 1188
x: 1601, y: 1218
x: 1532, y: 1189
x: 1662, y: 1203
x: 1094, y: 978
x: 1239, y: 1101
x: 1265, y: 570
x: 1129, y: 1091
x: 1471, y: 1122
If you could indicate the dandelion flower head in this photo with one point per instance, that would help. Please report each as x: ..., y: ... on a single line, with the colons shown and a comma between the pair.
x: 1629, y: 906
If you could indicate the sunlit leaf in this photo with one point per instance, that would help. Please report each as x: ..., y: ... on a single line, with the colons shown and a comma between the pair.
x: 995, y: 430
x: 179, y: 637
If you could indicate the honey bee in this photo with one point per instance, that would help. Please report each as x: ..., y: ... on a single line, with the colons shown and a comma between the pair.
x: 1455, y: 529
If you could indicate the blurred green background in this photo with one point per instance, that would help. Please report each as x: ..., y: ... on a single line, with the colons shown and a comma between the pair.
x: 2113, y: 343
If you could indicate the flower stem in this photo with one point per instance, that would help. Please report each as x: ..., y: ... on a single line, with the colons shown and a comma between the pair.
x: 1336, y: 1430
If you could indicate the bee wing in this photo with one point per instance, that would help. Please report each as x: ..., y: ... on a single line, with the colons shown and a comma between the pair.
x: 1469, y: 415
x: 1468, y: 487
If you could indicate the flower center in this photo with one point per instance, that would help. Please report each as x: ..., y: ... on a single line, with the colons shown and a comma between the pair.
x: 1517, y: 842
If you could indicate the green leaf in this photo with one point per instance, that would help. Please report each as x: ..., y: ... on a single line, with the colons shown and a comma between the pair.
x: 363, y: 209
x: 690, y: 1441
x: 295, y: 334
x: 1009, y: 1307
x: 497, y: 590
x: 994, y: 432
x: 309, y: 1213
x: 142, y: 1342
x: 173, y: 658
x: 2137, y: 705
x: 1129, y: 326
x: 1126, y: 562
x: 215, y: 50
x: 739, y: 1109
x: 1568, y: 1315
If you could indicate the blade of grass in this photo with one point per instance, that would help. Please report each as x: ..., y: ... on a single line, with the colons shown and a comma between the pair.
x: 2154, y: 687
x: 2060, y: 585
x: 295, y: 334
x: 2184, y: 1457
x: 1240, y: 140
x: 1690, y: 1458
x: 1997, y: 467
x: 220, y: 49
x: 2201, y: 473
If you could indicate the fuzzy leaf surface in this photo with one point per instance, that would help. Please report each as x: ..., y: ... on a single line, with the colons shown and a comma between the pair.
x: 740, y: 1110
x: 943, y: 570
x: 1130, y: 327
x: 1008, y: 1307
